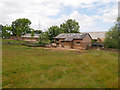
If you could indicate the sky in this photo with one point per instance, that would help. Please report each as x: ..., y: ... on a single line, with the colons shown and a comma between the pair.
x: 92, y: 15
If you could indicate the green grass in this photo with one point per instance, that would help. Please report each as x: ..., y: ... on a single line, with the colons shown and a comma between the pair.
x: 11, y: 41
x: 25, y: 67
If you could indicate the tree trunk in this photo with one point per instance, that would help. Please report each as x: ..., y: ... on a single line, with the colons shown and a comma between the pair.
x: 17, y: 37
x: 20, y: 40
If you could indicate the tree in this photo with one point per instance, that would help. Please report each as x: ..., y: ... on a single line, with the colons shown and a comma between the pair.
x: 20, y: 27
x: 6, y: 31
x: 70, y: 26
x: 43, y: 38
x: 35, y: 31
x: 38, y: 31
x: 52, y: 32
x: 32, y: 34
x: 112, y: 37
x: 1, y: 30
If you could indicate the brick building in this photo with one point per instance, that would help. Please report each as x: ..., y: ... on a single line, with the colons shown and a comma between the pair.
x: 98, y: 36
x: 27, y: 37
x: 73, y: 40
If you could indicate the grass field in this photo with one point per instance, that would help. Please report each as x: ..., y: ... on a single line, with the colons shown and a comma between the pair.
x: 11, y: 41
x: 25, y: 67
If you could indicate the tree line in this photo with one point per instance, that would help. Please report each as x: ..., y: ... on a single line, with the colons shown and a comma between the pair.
x: 21, y: 26
x: 112, y: 37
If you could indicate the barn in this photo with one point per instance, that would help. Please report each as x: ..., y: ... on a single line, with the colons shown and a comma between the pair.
x: 98, y: 36
x: 27, y: 37
x: 73, y: 40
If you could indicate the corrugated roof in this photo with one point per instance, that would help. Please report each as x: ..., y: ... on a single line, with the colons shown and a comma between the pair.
x: 28, y: 35
x: 68, y: 39
x: 96, y: 35
x: 70, y: 36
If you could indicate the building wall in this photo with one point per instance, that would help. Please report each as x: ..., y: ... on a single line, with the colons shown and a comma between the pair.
x: 64, y: 43
x: 60, y: 43
x: 68, y: 44
x: 87, y: 41
x: 77, y: 45
x: 29, y: 39
x: 13, y: 37
x: 83, y: 43
x: 100, y: 40
x: 73, y: 44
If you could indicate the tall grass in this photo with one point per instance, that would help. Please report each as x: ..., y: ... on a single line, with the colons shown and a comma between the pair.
x: 25, y: 67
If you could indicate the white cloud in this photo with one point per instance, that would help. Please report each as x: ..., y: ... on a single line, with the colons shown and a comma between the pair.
x: 86, y: 3
x: 109, y: 14
x: 34, y: 10
x: 79, y: 3
x: 85, y: 21
x: 41, y: 10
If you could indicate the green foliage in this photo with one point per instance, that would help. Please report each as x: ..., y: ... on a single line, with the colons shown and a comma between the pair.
x: 35, y: 31
x: 32, y: 34
x: 35, y: 44
x: 6, y: 30
x: 70, y: 26
x: 112, y: 37
x: 24, y: 43
x: 1, y: 30
x: 10, y: 41
x: 52, y: 32
x: 43, y: 38
x: 93, y: 41
x: 57, y: 42
x: 20, y: 27
x: 38, y: 31
x: 118, y: 19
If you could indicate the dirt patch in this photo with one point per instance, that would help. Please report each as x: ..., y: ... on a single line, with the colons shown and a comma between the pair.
x: 60, y: 49
x: 64, y: 49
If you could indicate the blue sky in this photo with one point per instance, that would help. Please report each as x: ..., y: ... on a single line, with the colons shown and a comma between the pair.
x: 92, y: 15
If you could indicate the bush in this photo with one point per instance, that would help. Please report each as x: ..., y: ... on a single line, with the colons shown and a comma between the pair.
x: 35, y: 45
x: 9, y: 43
x: 112, y: 37
x: 97, y: 44
x: 57, y: 42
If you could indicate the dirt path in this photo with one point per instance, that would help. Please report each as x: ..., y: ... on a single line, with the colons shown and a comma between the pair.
x: 60, y: 49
